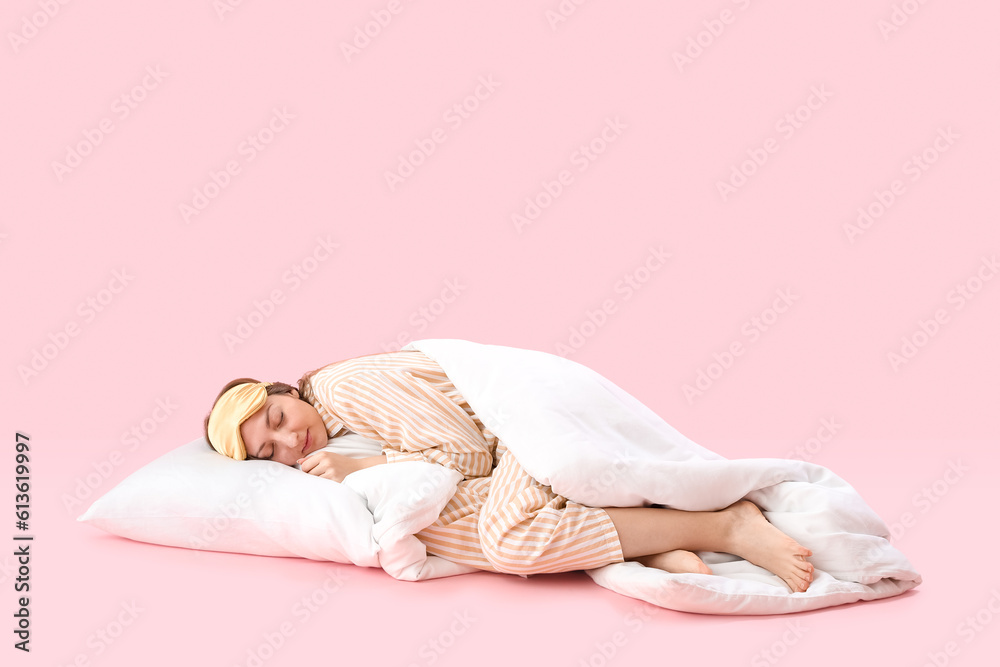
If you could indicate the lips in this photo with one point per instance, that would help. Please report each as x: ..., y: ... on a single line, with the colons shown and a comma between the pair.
x: 306, y: 446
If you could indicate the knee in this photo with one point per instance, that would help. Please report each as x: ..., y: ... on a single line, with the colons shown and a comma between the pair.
x: 491, y: 546
x: 506, y: 560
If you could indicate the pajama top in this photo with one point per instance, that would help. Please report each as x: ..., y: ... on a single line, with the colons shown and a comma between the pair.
x: 500, y: 518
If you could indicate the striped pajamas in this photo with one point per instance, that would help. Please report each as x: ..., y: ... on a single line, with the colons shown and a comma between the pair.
x: 500, y: 518
x: 510, y: 523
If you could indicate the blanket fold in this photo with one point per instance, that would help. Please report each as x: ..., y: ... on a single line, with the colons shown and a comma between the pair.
x: 592, y: 442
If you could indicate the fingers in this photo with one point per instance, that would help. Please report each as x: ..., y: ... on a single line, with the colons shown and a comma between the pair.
x: 314, y: 467
x: 309, y: 462
x: 319, y: 471
x: 328, y: 465
x: 319, y: 468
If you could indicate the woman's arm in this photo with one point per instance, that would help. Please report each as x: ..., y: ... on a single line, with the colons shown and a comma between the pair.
x: 370, y: 461
x: 417, y: 421
x: 331, y: 465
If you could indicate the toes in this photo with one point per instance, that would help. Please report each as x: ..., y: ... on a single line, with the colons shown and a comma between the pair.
x: 679, y: 561
x: 804, y: 573
x: 793, y: 585
x: 697, y: 566
x: 801, y: 583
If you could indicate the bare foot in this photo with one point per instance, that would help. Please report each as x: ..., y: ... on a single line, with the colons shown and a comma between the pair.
x: 755, y: 539
x: 677, y: 561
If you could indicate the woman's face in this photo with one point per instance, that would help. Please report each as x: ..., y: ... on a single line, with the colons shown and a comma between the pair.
x: 284, y: 429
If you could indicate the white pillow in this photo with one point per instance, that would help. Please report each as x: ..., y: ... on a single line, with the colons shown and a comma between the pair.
x: 194, y: 497
x: 353, y: 445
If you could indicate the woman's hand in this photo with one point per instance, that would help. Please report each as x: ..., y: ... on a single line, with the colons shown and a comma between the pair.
x: 331, y: 465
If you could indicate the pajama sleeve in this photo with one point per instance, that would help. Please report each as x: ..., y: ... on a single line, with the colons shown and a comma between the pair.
x: 415, y: 420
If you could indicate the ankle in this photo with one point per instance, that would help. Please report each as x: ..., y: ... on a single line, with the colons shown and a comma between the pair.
x: 727, y: 528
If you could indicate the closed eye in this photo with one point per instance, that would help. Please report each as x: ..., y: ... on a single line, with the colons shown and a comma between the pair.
x: 281, y: 418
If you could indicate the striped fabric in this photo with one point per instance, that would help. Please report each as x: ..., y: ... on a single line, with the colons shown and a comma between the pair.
x: 500, y: 519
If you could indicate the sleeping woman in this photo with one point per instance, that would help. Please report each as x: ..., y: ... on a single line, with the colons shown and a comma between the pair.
x: 500, y: 518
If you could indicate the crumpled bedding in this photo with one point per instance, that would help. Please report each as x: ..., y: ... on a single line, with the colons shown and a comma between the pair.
x: 595, y: 444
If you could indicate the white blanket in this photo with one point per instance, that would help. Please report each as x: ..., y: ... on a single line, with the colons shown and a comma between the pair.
x: 595, y: 444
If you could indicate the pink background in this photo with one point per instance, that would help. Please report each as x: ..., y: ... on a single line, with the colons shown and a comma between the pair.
x: 162, y: 336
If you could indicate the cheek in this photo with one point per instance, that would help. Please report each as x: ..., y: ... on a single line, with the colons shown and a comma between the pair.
x: 311, y: 416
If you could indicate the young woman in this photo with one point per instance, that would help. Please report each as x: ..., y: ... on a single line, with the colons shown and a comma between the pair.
x: 500, y: 518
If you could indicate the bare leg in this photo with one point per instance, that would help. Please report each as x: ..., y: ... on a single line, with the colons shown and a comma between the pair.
x: 677, y: 561
x: 739, y: 529
x: 643, y: 531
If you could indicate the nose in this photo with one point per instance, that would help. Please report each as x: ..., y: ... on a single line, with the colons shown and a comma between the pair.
x: 289, y: 441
